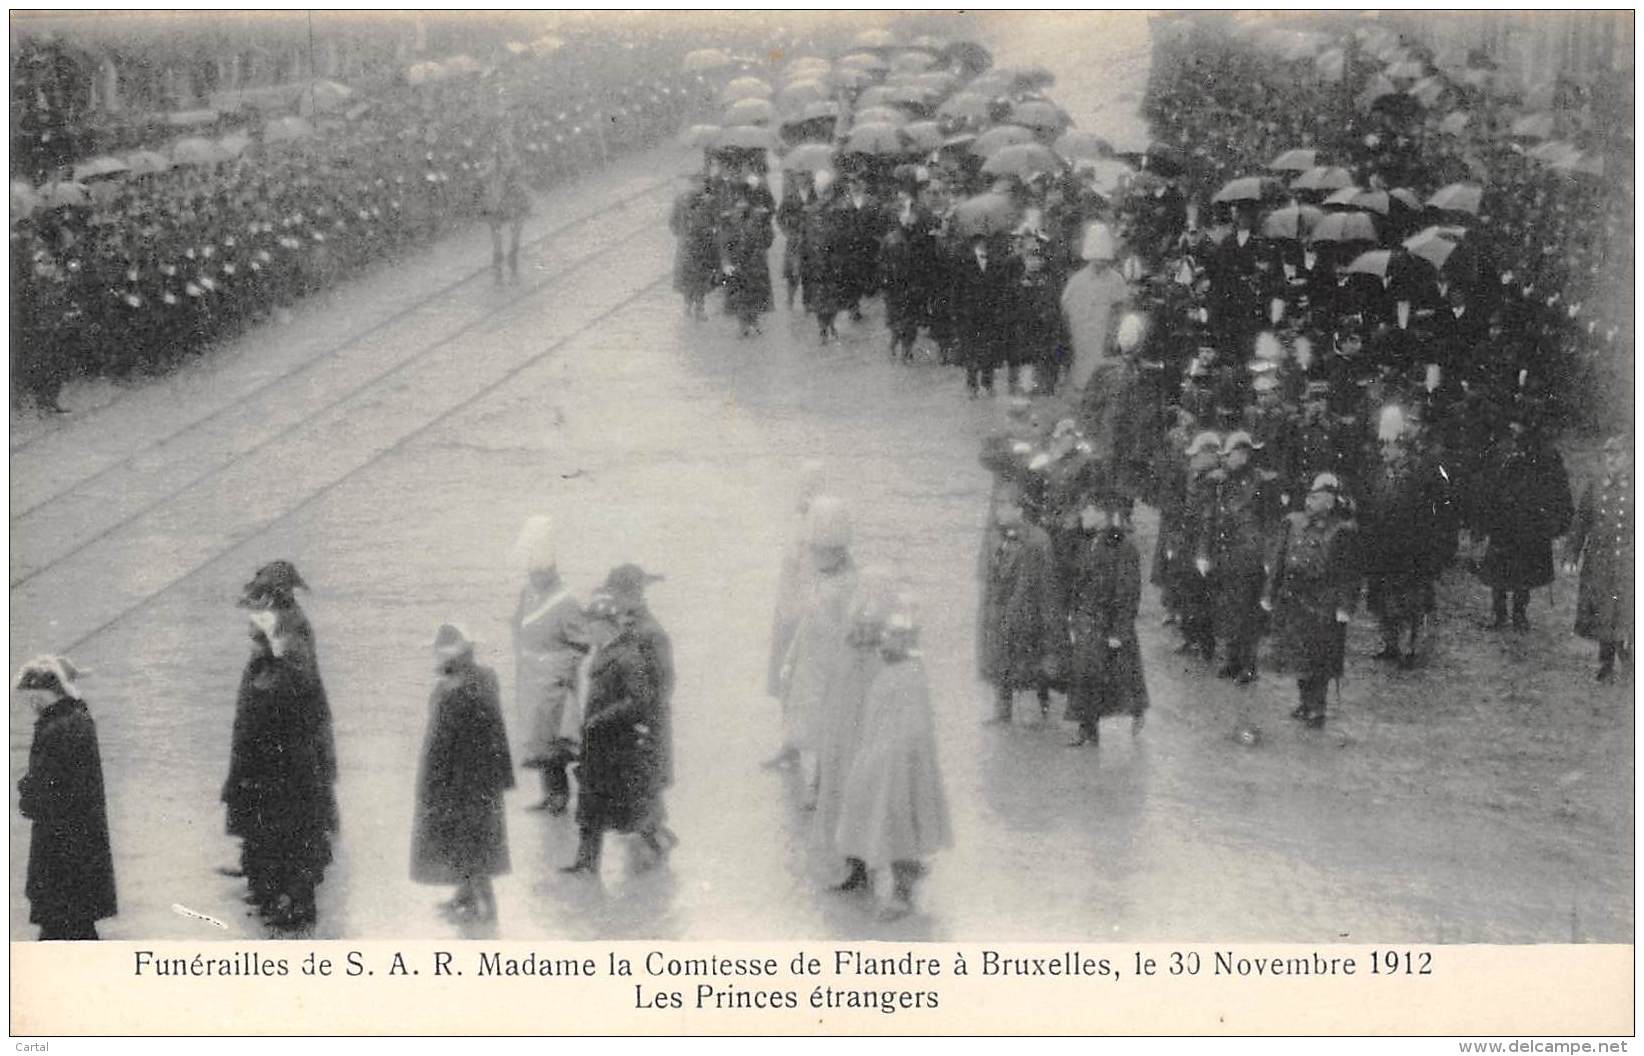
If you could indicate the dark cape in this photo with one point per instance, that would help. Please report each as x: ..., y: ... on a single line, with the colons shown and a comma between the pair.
x: 1103, y: 600
x: 459, y: 830
x: 619, y: 774
x: 71, y: 869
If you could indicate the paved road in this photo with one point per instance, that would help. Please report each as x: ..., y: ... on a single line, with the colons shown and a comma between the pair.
x: 391, y: 439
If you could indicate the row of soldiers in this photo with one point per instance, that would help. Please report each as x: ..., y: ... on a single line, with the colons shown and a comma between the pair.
x: 156, y: 267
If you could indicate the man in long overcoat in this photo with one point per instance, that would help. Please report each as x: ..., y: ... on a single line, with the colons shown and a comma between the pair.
x: 550, y: 641
x: 1105, y: 667
x: 823, y: 256
x: 1601, y: 538
x: 1407, y: 537
x: 70, y: 883
x: 984, y: 278
x: 1231, y: 546
x: 696, y: 256
x: 1020, y: 628
x: 1521, y: 505
x: 1312, y: 588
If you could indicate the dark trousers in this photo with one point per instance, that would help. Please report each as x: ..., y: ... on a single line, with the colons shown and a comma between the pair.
x: 68, y: 931
x: 1521, y: 605
x: 1313, y: 692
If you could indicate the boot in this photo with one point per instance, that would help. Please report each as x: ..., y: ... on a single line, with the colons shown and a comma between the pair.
x: 857, y: 880
x: 904, y: 875
x: 589, y: 843
x: 1521, y: 614
x: 1498, y: 610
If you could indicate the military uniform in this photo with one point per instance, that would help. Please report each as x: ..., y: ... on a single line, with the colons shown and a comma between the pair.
x: 1313, y: 576
x: 1233, y: 538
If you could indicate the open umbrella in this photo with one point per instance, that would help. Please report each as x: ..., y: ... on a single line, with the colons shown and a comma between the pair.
x: 744, y: 88
x: 805, y: 67
x: 876, y: 38
x: 704, y: 59
x: 234, y: 144
x: 800, y: 94
x: 880, y: 115
x: 913, y: 62
x: 102, y: 167
x: 923, y: 135
x: 821, y: 109
x: 1323, y: 178
x: 195, y: 151
x: 1243, y: 189
x: 1033, y: 75
x: 1373, y: 263
x: 1344, y: 227
x: 865, y: 61
x: 967, y: 106
x: 325, y: 97
x: 1075, y: 144
x: 993, y: 83
x: 64, y: 193
x: 850, y: 77
x: 1581, y: 165
x: 1041, y: 116
x: 986, y: 214
x: 809, y: 157
x: 1458, y: 198
x: 1291, y: 223
x: 878, y: 95
x: 1432, y: 246
x: 969, y: 56
x: 745, y: 137
x: 1374, y: 201
x: 956, y: 144
x: 750, y: 112
x: 937, y: 82
x: 1534, y: 126
x: 702, y: 137
x: 911, y: 95
x: 1301, y: 159
x: 1404, y: 196
x: 1551, y: 151
x: 287, y: 129
x: 876, y: 139
x: 147, y: 162
x: 1106, y: 173
x: 1454, y: 123
x: 1023, y: 159
x: 1000, y: 137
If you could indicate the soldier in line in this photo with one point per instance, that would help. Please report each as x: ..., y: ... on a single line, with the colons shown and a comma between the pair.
x: 1232, y: 542
x: 1601, y: 541
x: 1312, y: 588
x: 1020, y: 626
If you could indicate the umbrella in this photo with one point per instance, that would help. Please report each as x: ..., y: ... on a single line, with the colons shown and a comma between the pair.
x: 701, y: 137
x: 1379, y: 202
x: 1292, y: 222
x: 1344, y: 227
x: 1343, y: 198
x: 875, y: 139
x: 913, y: 62
x: 1076, y: 144
x: 876, y: 38
x: 1244, y: 189
x: 930, y: 42
x: 822, y: 108
x: 1107, y: 173
x: 962, y: 141
x: 809, y: 157
x: 327, y: 96
x: 1552, y: 150
x: 865, y: 61
x: 992, y: 83
x: 705, y: 59
x: 986, y: 214
x: 195, y: 151
x: 1430, y: 245
x: 1581, y: 164
x: 1379, y: 88
x: 1033, y: 76
x: 880, y: 115
x: 910, y: 95
x: 64, y: 192
x: 425, y: 72
x: 1040, y: 115
x: 1453, y: 124
x: 750, y: 112
x: 24, y: 200
x: 1300, y: 159
x: 923, y: 135
x: 1324, y: 178
x: 234, y: 144
x: 745, y: 137
x: 144, y: 162
x: 850, y: 77
x: 100, y: 167
x: 1023, y: 159
x: 878, y: 95
x: 1000, y: 137
x: 938, y: 82
x: 970, y: 56
x: 800, y: 94
x: 966, y: 105
x: 1458, y: 197
x: 1372, y: 263
x: 744, y: 88
x: 805, y: 67
x: 1534, y: 126
x: 1406, y: 197
x: 287, y: 129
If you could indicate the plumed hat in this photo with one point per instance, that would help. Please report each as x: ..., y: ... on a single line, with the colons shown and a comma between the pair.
x: 828, y: 524
x: 55, y: 673
x: 534, y: 549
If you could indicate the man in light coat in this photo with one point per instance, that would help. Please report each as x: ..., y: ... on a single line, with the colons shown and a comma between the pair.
x: 1091, y: 302
x: 549, y: 642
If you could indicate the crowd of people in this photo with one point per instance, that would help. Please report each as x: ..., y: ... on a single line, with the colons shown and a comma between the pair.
x: 163, y: 255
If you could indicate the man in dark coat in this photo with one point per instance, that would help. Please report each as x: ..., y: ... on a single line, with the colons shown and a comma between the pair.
x: 984, y: 278
x: 1020, y: 629
x: 1105, y: 664
x: 1312, y: 588
x: 696, y: 256
x: 70, y: 884
x: 908, y: 271
x: 282, y: 769
x: 823, y: 246
x: 627, y: 757
x: 1231, y: 547
x: 1601, y: 539
x: 459, y: 835
x: 1522, y: 503
x: 745, y: 242
x: 1408, y: 536
x: 865, y: 223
